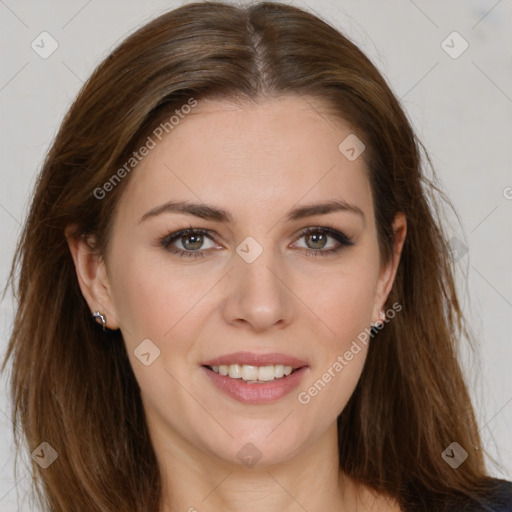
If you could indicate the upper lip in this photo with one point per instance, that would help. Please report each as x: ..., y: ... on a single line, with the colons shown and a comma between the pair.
x: 253, y: 359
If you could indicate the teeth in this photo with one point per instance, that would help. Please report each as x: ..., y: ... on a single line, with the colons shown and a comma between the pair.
x: 266, y: 373
x: 235, y: 371
x: 251, y: 373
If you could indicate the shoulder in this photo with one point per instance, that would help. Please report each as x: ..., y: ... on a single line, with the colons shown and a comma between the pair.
x: 497, y: 499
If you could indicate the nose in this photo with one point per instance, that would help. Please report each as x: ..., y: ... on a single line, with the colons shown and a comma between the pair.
x: 257, y: 296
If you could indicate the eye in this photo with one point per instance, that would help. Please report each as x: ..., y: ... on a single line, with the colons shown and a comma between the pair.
x: 316, y: 239
x: 191, y: 241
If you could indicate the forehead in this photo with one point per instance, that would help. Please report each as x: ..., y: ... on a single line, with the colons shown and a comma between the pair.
x: 249, y: 158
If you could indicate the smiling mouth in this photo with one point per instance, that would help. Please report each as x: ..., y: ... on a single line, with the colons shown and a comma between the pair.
x: 253, y: 374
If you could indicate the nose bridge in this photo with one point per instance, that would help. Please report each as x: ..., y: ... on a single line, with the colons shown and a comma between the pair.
x: 258, y: 294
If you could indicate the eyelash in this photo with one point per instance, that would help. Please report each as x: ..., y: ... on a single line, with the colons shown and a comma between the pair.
x: 341, y: 238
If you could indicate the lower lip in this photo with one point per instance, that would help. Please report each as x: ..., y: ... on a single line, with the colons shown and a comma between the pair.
x: 256, y: 393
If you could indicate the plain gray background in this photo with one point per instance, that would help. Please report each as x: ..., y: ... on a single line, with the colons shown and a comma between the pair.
x: 460, y: 104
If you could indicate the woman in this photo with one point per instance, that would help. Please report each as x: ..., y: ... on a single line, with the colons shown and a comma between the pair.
x: 232, y: 202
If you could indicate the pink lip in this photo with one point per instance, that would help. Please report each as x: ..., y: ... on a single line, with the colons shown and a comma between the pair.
x: 250, y: 358
x: 256, y: 393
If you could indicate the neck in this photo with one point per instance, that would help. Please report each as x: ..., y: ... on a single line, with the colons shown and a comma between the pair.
x: 311, y: 480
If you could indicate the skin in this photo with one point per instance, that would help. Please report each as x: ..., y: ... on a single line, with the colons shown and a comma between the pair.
x: 257, y: 161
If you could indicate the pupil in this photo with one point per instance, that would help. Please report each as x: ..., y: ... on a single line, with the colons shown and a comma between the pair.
x: 316, y: 237
x: 198, y: 241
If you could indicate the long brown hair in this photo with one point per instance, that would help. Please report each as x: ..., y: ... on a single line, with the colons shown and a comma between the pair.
x: 72, y: 385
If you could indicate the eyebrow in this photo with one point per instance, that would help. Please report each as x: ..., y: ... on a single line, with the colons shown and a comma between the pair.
x: 209, y: 212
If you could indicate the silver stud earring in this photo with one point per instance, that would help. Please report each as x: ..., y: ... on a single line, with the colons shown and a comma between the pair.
x: 102, y: 318
x: 382, y: 317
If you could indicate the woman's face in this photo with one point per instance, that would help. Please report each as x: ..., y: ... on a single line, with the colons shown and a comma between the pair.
x: 251, y: 288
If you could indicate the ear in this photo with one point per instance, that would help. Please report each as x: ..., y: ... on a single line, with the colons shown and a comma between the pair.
x: 388, y: 271
x: 92, y: 276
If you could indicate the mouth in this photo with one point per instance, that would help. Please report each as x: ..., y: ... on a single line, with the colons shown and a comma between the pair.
x: 255, y: 378
x: 252, y: 374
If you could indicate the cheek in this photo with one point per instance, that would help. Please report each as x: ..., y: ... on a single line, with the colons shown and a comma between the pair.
x: 343, y: 305
x: 162, y: 303
x: 147, y: 300
x: 342, y: 302
x: 157, y: 316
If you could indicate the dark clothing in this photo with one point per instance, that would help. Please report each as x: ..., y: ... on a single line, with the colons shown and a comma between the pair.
x: 497, y: 498
x: 499, y: 501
